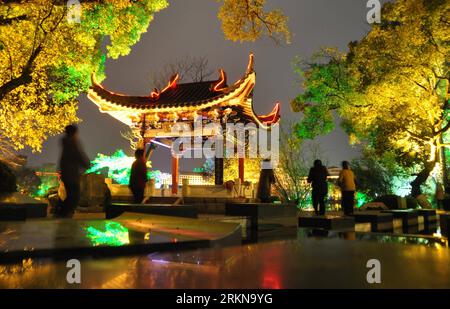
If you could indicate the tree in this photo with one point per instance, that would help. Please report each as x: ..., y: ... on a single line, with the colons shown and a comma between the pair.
x: 376, y: 176
x: 46, y: 61
x: 327, y: 85
x: 296, y: 158
x: 247, y: 20
x: 391, y: 88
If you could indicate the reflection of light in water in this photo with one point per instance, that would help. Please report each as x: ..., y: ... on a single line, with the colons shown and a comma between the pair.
x: 147, y: 236
x: 435, y: 241
x: 115, y: 234
x: 407, y: 240
x: 14, y: 269
x: 271, y: 281
x: 160, y: 261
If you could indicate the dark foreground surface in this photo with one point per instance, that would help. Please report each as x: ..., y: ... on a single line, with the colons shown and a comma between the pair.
x: 302, y: 263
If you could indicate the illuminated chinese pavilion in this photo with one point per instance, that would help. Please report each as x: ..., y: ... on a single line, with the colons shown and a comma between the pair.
x: 154, y: 115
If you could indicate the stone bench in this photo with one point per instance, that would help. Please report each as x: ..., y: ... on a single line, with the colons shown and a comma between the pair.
x: 429, y: 220
x: 183, y: 211
x: 408, y: 217
x: 379, y: 222
x: 12, y: 213
x: 268, y: 213
x: 327, y: 222
x: 266, y: 220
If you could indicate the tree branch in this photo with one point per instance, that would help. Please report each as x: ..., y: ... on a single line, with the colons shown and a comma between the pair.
x: 9, y: 20
x: 24, y: 78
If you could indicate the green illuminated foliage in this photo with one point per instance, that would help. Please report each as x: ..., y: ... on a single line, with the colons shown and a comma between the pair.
x: 361, y: 199
x: 118, y: 166
x: 113, y: 234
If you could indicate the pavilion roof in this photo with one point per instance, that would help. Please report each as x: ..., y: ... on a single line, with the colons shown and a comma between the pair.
x: 185, y: 97
x: 174, y: 95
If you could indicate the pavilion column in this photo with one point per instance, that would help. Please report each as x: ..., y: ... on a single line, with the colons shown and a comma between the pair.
x: 175, y: 174
x: 241, y: 169
x: 218, y: 171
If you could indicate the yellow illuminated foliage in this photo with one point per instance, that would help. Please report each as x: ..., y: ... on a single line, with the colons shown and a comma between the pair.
x: 247, y: 20
x: 46, y: 61
x: 252, y: 169
x: 402, y: 67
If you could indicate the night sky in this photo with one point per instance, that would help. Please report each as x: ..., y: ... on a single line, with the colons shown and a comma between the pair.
x: 191, y: 27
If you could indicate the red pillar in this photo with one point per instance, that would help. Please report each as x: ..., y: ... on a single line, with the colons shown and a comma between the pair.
x: 175, y: 175
x: 241, y: 170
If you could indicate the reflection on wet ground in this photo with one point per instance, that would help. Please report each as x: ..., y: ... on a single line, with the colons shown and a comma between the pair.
x: 424, y: 240
x: 143, y: 233
x: 304, y: 263
x: 280, y: 257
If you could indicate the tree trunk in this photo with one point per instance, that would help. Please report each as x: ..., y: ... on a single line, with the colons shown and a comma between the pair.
x: 421, y: 178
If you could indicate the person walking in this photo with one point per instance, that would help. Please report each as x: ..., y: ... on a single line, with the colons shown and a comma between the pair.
x: 347, y: 184
x: 318, y: 179
x: 138, y: 176
x: 73, y: 160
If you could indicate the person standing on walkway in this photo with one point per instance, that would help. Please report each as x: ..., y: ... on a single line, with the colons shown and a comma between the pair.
x: 138, y: 176
x: 318, y: 179
x: 72, y: 161
x: 348, y: 187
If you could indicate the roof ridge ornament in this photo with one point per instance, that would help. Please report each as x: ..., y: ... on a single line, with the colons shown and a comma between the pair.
x: 155, y: 94
x: 221, y: 84
x: 251, y: 62
x: 172, y: 82
x: 272, y: 117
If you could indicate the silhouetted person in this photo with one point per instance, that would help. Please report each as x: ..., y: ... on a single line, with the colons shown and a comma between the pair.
x: 266, y: 179
x: 73, y: 160
x: 348, y: 187
x: 318, y: 179
x: 138, y: 176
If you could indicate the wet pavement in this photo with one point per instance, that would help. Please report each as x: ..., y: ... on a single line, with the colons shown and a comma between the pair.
x: 281, y: 257
x: 311, y: 262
